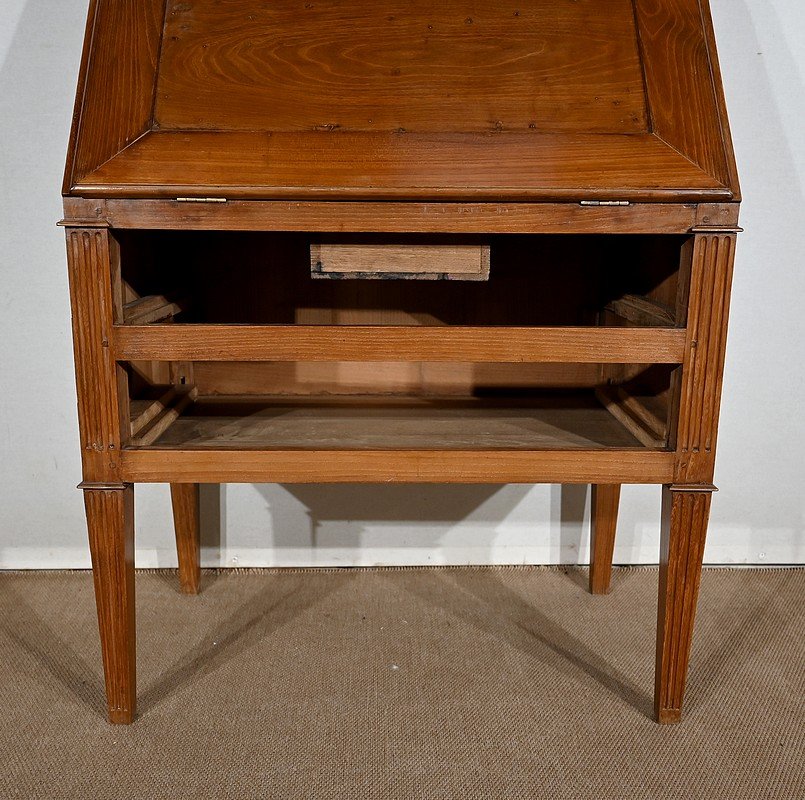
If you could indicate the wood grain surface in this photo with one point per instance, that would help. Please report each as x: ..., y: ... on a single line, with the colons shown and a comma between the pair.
x: 411, y: 379
x: 454, y: 261
x: 548, y: 100
x: 110, y: 523
x: 397, y: 466
x: 187, y: 527
x: 703, y: 373
x: 398, y: 343
x: 115, y: 98
x: 680, y: 68
x: 388, y: 217
x: 546, y: 65
x: 324, y: 165
x: 103, y: 414
x: 604, y: 502
x: 685, y: 515
x: 548, y: 421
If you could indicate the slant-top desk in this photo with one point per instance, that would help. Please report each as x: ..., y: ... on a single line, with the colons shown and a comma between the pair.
x: 354, y: 242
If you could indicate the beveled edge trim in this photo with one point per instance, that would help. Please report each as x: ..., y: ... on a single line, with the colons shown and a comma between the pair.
x: 102, y: 487
x: 91, y: 186
x: 714, y: 110
x: 716, y: 229
x: 83, y: 223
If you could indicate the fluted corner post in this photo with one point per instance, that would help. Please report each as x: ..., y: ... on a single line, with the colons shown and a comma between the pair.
x: 103, y: 421
x: 686, y: 503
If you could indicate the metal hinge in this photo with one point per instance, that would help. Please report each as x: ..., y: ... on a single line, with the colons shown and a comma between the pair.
x: 200, y: 199
x: 604, y: 203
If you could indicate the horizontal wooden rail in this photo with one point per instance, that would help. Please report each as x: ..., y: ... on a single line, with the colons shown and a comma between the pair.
x: 434, y: 217
x: 380, y: 343
x: 396, y: 466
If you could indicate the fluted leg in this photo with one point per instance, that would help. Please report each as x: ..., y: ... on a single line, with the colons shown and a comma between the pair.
x: 685, y: 512
x: 110, y: 522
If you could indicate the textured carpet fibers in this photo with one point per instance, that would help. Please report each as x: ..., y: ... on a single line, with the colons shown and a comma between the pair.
x: 496, y: 683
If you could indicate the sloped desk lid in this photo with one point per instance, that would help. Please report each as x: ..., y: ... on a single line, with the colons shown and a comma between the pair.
x: 537, y: 100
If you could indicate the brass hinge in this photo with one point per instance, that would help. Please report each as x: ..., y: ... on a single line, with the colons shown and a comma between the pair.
x: 604, y: 203
x: 200, y: 199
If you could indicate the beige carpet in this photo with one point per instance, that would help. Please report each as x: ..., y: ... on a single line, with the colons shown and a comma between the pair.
x: 444, y: 683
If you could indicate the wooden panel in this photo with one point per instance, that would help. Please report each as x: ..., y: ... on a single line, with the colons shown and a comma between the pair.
x: 358, y: 165
x: 116, y: 88
x: 681, y: 77
x: 453, y: 65
x: 331, y: 217
x: 397, y: 466
x: 373, y: 342
x: 545, y: 101
x: 384, y: 377
x: 453, y: 261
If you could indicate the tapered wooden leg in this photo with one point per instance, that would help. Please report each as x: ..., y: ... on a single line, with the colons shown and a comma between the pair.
x: 685, y: 514
x: 604, y: 521
x: 185, y: 499
x: 110, y: 522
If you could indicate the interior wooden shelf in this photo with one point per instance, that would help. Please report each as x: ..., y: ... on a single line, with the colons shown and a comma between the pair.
x: 549, y: 420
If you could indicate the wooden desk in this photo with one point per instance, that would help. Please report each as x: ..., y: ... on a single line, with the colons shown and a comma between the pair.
x: 350, y: 242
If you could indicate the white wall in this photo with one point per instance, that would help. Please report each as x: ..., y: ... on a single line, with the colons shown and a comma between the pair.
x: 757, y: 518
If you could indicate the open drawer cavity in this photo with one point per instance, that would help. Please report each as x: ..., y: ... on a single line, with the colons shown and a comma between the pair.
x: 388, y: 406
x: 263, y: 278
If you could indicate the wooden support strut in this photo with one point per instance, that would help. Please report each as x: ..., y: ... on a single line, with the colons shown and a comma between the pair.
x: 604, y: 520
x: 185, y: 502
